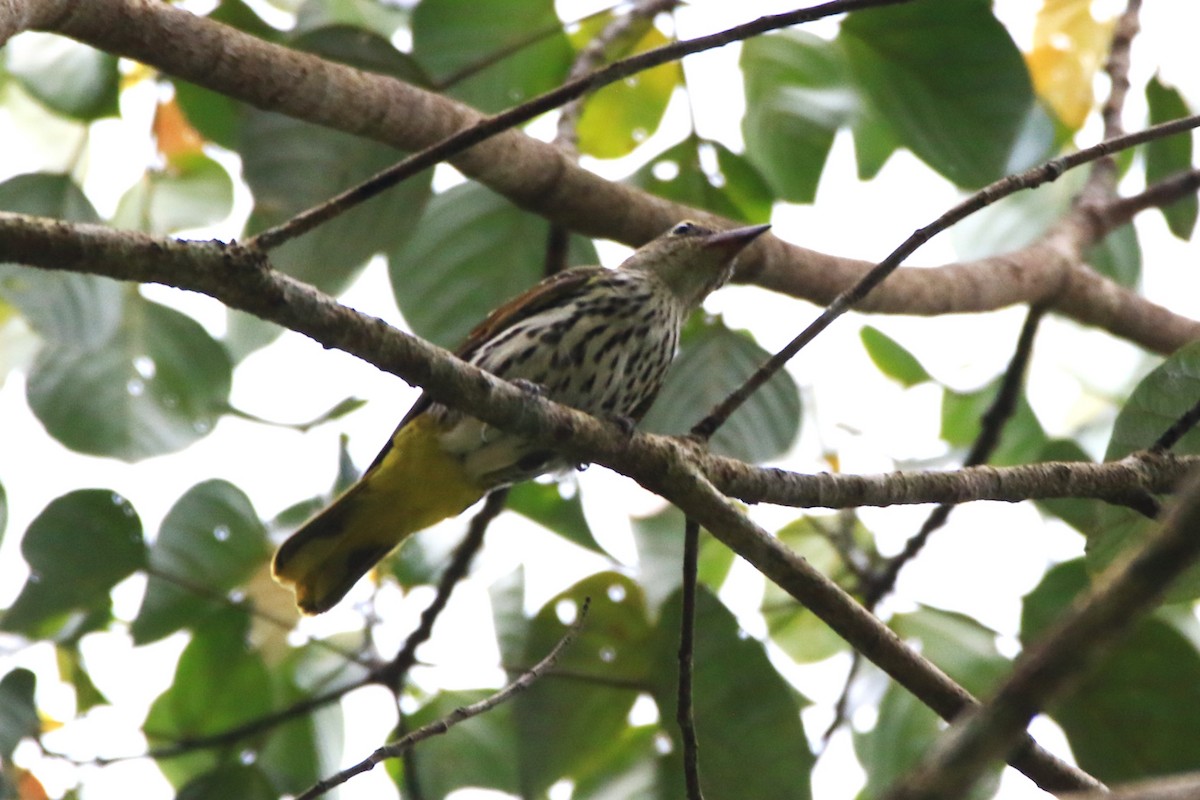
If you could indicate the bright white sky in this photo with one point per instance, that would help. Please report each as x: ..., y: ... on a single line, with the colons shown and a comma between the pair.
x: 858, y: 416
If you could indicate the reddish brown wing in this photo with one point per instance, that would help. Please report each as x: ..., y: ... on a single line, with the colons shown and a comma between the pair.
x: 543, y: 294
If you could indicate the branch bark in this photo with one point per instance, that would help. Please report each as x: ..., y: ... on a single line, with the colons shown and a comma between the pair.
x: 672, y: 468
x: 538, y: 177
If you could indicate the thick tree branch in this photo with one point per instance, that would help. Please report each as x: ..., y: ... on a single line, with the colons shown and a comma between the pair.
x: 537, y: 177
x: 241, y: 280
x: 1174, y: 787
x: 1126, y: 591
x: 666, y: 466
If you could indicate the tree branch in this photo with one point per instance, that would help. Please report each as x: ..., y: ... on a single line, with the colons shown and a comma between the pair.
x: 1122, y: 595
x: 663, y: 465
x: 687, y: 646
x: 537, y: 177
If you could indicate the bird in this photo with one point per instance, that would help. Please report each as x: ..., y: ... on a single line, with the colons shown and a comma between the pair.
x: 597, y: 339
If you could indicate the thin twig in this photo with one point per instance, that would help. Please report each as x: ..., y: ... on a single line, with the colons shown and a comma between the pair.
x: 618, y: 34
x: 1125, y: 592
x: 1178, y: 430
x: 1157, y: 195
x: 490, y: 126
x: 393, y: 673
x: 1103, y: 179
x: 999, y: 412
x: 438, y: 727
x: 687, y: 650
x: 1029, y: 179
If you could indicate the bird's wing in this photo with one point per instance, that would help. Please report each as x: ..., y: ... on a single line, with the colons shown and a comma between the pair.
x: 544, y: 294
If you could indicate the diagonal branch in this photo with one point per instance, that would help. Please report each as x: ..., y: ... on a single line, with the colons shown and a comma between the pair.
x: 1126, y: 592
x: 536, y: 176
x: 243, y: 280
x: 852, y: 297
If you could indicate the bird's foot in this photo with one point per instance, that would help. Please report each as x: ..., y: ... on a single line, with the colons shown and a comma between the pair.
x: 536, y: 389
x: 626, y: 423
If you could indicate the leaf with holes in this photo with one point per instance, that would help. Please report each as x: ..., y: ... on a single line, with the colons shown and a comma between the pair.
x: 210, y: 542
x: 157, y: 385
x: 619, y: 117
x: 560, y: 722
x: 80, y: 547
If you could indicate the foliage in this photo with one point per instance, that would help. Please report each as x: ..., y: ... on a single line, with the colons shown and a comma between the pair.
x: 173, y: 568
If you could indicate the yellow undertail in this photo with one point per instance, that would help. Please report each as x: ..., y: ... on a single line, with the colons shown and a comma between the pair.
x: 415, y: 485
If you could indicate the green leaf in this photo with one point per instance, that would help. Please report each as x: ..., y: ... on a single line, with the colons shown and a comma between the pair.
x: 210, y: 542
x: 81, y: 546
x: 659, y: 539
x: 472, y: 251
x: 307, y: 748
x: 69, y: 77
x: 544, y: 504
x: 798, y: 94
x: 191, y: 192
x: 1140, y: 685
x: 959, y: 645
x: 1166, y: 157
x: 1046, y: 602
x: 1143, y: 685
x: 714, y: 361
x: 620, y: 116
x: 219, y: 682
x: 905, y: 728
x: 947, y: 78
x: 491, y: 54
x: 1119, y: 256
x: 231, y: 781
x: 291, y: 166
x: 892, y: 358
x: 479, y: 752
x: 1156, y: 402
x: 18, y: 713
x: 380, y: 18
x: 706, y: 174
x: 798, y: 631
x: 905, y: 731
x: 64, y: 307
x: 1020, y: 441
x: 560, y: 722
x: 154, y: 387
x: 628, y: 768
x: 749, y: 749
x: 1154, y: 405
x: 217, y: 117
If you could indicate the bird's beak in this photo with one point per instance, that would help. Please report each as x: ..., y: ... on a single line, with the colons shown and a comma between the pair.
x: 733, y: 241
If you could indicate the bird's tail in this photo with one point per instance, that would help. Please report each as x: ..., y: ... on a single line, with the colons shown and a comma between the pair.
x: 412, y: 486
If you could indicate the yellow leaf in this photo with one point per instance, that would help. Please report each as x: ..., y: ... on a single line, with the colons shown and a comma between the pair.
x: 617, y: 118
x: 1069, y: 47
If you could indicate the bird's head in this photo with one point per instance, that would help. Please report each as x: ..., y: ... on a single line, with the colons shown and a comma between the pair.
x: 693, y: 260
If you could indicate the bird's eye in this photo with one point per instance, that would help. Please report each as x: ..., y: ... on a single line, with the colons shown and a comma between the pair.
x: 685, y: 229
